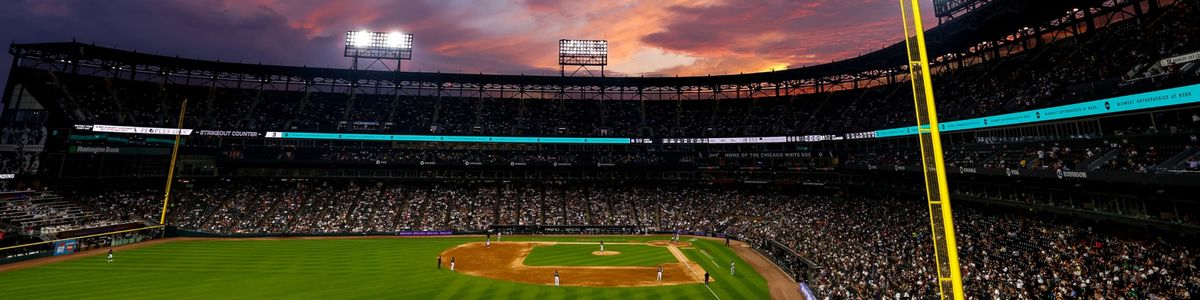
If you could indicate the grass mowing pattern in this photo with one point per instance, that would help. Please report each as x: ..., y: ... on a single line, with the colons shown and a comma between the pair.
x: 581, y: 255
x: 328, y: 269
x: 713, y: 256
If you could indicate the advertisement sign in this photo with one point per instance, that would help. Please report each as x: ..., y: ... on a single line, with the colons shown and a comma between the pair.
x: 1182, y: 59
x: 140, y: 130
x: 748, y: 140
x: 230, y: 133
x: 118, y: 150
x: 860, y: 135
x: 65, y: 247
x: 685, y: 141
x: 425, y: 233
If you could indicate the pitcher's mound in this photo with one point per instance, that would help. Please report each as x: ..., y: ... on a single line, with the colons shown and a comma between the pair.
x: 605, y: 253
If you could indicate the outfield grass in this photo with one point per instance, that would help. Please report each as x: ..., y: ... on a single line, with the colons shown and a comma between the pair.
x: 581, y: 255
x: 392, y: 268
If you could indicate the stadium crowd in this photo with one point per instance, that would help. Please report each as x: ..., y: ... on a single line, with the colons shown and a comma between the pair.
x: 868, y: 244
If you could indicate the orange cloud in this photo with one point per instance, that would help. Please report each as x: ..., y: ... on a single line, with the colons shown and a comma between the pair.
x: 663, y: 37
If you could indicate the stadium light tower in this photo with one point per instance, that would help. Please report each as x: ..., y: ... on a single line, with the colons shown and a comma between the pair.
x: 582, y: 53
x: 378, y: 46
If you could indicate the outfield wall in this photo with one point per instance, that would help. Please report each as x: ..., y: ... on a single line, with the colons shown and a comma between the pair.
x: 177, y: 232
x: 505, y: 229
x: 70, y: 246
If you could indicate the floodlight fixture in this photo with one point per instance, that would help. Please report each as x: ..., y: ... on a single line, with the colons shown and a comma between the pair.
x: 582, y: 53
x: 379, y: 46
x: 358, y: 39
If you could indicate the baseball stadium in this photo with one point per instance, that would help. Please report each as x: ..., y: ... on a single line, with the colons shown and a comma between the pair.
x: 546, y: 149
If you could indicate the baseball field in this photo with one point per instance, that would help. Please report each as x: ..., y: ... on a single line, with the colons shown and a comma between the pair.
x: 393, y: 268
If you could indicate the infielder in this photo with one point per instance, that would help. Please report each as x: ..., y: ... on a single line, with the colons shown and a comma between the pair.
x: 109, y: 254
x: 731, y: 267
x: 439, y: 262
x: 660, y: 273
x: 451, y: 264
x: 489, y: 243
x: 555, y: 277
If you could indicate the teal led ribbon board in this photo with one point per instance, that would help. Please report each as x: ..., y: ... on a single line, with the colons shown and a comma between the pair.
x: 1161, y: 98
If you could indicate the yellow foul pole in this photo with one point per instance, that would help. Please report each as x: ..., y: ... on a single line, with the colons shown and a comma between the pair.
x: 941, y: 220
x: 171, y: 170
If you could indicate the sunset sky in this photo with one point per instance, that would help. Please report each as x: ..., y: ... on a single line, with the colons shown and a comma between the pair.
x: 654, y: 37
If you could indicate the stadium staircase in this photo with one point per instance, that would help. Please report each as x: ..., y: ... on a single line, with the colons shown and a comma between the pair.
x: 249, y: 113
x: 122, y: 116
x: 273, y: 211
x: 208, y: 213
x: 71, y: 104
x: 1177, y: 159
x: 1101, y: 159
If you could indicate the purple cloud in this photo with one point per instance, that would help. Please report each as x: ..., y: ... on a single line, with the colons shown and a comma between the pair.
x: 518, y: 36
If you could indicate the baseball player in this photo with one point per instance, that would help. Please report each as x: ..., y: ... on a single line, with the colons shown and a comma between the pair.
x: 705, y: 278
x: 489, y: 243
x: 498, y: 234
x: 601, y: 247
x: 660, y: 273
x: 555, y: 277
x: 109, y: 254
x: 439, y: 262
x: 451, y: 264
x: 731, y: 267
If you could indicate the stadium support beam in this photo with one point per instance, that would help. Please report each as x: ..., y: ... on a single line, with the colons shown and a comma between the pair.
x: 941, y: 220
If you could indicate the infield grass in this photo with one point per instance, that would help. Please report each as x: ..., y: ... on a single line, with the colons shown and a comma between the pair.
x: 382, y: 268
x: 581, y: 255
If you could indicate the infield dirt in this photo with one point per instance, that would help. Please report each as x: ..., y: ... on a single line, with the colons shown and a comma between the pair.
x: 504, y: 261
x: 605, y: 253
